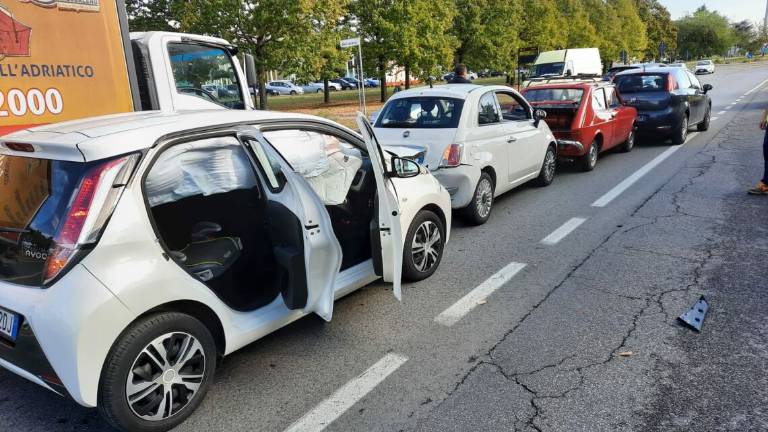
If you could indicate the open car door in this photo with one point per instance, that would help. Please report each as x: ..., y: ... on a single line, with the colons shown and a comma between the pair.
x: 304, y: 244
x: 390, y: 232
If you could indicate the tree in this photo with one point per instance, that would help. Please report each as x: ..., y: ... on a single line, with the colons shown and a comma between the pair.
x: 632, y: 38
x: 606, y: 22
x: 746, y: 36
x: 659, y: 27
x: 147, y: 15
x: 376, y: 23
x: 425, y: 39
x: 581, y: 32
x: 541, y: 25
x: 485, y: 33
x: 704, y: 33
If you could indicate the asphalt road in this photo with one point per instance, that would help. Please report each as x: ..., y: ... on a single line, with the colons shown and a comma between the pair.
x: 582, y: 337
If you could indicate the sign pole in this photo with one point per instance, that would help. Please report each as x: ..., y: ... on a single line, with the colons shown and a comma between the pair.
x: 362, y: 82
x: 355, y: 42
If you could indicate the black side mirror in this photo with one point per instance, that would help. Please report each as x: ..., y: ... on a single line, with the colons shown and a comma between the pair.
x: 404, y: 168
x: 538, y: 115
x: 250, y: 72
x: 707, y: 87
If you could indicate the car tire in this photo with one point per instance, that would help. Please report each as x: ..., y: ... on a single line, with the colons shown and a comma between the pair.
x: 424, y: 246
x: 479, y: 209
x: 629, y: 144
x: 182, y: 337
x: 548, y: 168
x: 681, y: 135
x: 293, y: 92
x: 588, y: 161
x: 704, y: 125
x: 319, y: 91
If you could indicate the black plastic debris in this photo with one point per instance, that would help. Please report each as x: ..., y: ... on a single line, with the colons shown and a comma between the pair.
x: 694, y: 317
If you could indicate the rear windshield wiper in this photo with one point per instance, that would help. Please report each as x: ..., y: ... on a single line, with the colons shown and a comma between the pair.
x: 14, y: 230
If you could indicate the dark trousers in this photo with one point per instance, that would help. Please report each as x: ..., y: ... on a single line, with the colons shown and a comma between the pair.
x: 765, y: 157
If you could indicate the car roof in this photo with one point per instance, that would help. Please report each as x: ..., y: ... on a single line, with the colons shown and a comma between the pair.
x: 457, y: 91
x: 653, y: 70
x: 569, y: 85
x: 106, y: 136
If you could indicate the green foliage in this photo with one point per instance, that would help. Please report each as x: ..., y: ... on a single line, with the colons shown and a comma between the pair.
x: 145, y: 15
x: 486, y: 33
x: 659, y: 27
x: 704, y: 33
x: 541, y: 25
x: 581, y: 31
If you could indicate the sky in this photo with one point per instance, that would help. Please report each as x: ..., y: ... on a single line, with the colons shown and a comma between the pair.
x: 735, y: 10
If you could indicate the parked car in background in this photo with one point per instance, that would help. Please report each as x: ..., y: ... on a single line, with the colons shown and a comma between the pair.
x: 668, y: 100
x: 319, y: 87
x: 372, y: 82
x: 164, y: 242
x: 587, y: 118
x: 479, y: 141
x: 613, y: 71
x: 678, y: 65
x: 344, y: 83
x: 449, y: 76
x: 704, y: 67
x: 284, y: 87
x: 354, y: 81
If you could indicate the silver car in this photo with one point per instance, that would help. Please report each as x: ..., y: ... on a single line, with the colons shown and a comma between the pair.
x: 284, y: 87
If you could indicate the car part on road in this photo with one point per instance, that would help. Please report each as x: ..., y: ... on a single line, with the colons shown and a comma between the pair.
x: 588, y: 161
x: 426, y: 240
x: 479, y: 209
x: 548, y: 168
x: 694, y: 317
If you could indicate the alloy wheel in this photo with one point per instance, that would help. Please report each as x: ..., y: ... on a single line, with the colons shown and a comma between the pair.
x: 484, y: 198
x: 165, y: 376
x: 592, y: 155
x: 425, y: 247
x: 550, y: 162
x: 631, y: 140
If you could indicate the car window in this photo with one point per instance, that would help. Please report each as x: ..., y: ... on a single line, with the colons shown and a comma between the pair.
x: 421, y: 112
x: 512, y: 108
x: 598, y: 99
x: 612, y: 97
x: 192, y: 65
x: 554, y: 96
x: 269, y: 166
x: 683, y: 79
x: 641, y: 83
x: 694, y: 81
x: 488, y: 111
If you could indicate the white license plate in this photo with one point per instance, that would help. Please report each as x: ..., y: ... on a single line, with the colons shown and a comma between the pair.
x: 9, y: 325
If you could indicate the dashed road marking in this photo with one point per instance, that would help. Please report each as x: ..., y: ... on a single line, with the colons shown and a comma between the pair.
x: 344, y: 398
x: 721, y: 112
x: 562, y: 232
x: 458, y: 310
x: 714, y: 118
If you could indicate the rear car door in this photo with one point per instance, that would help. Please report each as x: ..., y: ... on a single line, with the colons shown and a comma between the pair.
x: 524, y: 140
x: 304, y: 242
x: 390, y: 232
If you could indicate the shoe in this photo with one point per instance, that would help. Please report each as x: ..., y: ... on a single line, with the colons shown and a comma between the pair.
x: 760, y: 189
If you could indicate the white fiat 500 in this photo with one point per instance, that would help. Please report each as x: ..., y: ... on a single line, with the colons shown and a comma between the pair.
x: 479, y: 141
x: 137, y: 249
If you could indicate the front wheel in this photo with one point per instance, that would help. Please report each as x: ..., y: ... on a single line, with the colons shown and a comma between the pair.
x: 157, y: 373
x: 704, y: 125
x: 423, y: 246
x: 548, y: 168
x: 479, y: 209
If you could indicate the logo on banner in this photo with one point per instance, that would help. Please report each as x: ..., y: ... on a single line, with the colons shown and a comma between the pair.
x: 75, y: 5
x: 14, y: 36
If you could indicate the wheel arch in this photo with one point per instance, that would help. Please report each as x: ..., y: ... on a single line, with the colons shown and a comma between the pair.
x: 491, y: 172
x: 434, y: 208
x: 199, y: 311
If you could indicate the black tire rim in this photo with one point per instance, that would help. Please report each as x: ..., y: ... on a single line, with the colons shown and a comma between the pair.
x: 166, y: 376
x: 549, y: 165
x: 426, y: 246
x: 484, y: 198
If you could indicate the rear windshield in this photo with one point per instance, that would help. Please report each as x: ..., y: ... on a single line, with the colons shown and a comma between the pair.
x: 555, y: 96
x: 703, y: 63
x: 545, y: 69
x: 638, y: 83
x: 34, y: 197
x: 421, y: 113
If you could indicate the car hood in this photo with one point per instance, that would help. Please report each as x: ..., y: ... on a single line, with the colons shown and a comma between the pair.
x: 412, y: 142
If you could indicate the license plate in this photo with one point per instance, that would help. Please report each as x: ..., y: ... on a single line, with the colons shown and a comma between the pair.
x: 9, y: 325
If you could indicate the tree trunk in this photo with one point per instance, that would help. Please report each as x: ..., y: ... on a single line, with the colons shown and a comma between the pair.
x: 383, y: 79
x: 326, y: 91
x: 407, y: 76
x: 262, y: 88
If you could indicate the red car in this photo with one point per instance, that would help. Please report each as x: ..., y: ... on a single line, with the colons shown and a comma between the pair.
x: 587, y: 118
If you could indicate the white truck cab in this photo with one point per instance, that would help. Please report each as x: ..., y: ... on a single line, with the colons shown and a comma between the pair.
x: 175, y: 72
x: 567, y: 63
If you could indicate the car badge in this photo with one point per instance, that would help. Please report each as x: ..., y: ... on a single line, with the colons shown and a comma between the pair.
x: 406, y: 134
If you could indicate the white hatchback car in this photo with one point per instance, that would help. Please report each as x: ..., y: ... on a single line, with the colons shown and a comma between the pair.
x: 284, y: 87
x: 479, y: 141
x: 704, y: 67
x: 137, y: 249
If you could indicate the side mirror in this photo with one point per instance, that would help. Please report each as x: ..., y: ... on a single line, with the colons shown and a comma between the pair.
x: 404, y: 168
x: 568, y: 73
x: 707, y: 87
x: 538, y: 115
x: 250, y: 72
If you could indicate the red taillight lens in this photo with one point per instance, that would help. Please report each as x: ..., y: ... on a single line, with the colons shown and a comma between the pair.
x: 452, y: 156
x: 94, y: 201
x: 671, y: 83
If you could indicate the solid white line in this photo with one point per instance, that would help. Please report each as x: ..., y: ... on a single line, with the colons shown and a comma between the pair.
x: 455, y: 313
x: 637, y: 175
x: 344, y: 398
x: 756, y: 88
x: 714, y: 118
x: 733, y: 103
x: 563, y: 231
x: 721, y: 112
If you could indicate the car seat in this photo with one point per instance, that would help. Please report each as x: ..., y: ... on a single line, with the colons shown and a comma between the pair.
x: 207, y: 257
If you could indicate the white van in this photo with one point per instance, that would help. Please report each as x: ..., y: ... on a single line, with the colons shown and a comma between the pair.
x: 567, y: 63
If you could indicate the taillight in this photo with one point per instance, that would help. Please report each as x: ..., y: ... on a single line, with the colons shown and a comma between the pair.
x: 93, y: 203
x: 671, y: 83
x: 452, y: 156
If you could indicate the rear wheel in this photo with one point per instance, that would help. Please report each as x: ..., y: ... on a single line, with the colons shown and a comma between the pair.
x: 423, y: 246
x: 704, y: 125
x: 319, y: 90
x: 157, y: 373
x: 548, y: 168
x: 479, y: 209
x: 588, y: 161
x: 293, y: 92
x: 681, y: 135
x: 629, y: 144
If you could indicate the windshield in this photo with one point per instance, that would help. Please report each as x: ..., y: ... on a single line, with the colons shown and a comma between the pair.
x: 558, y: 96
x: 421, y: 113
x: 544, y: 69
x: 641, y: 83
x: 205, y: 72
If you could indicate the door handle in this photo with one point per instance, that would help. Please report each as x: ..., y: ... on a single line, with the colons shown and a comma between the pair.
x: 511, y: 139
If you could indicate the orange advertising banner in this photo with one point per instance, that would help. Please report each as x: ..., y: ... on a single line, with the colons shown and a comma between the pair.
x: 60, y: 60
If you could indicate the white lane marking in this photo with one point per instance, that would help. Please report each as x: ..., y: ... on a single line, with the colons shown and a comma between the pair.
x: 563, y: 231
x: 458, y: 310
x: 728, y: 107
x: 721, y: 112
x: 637, y: 175
x: 344, y: 398
x: 756, y: 88
x: 733, y: 103
x: 714, y: 118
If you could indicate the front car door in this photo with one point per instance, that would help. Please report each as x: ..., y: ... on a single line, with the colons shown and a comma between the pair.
x: 524, y: 148
x: 486, y: 143
x: 623, y: 116
x: 698, y: 99
x: 603, y: 117
x: 290, y: 197
x: 390, y: 232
